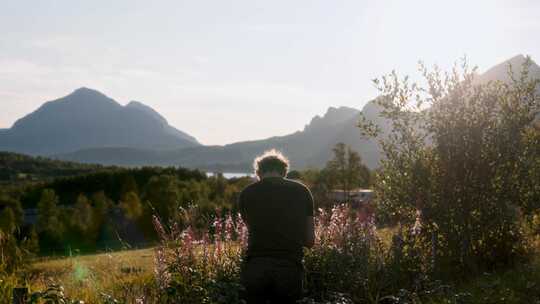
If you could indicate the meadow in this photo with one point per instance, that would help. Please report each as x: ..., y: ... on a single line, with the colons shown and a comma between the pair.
x: 129, y: 276
x: 122, y: 274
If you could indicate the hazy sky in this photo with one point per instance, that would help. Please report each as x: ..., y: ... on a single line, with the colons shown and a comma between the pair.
x: 226, y: 71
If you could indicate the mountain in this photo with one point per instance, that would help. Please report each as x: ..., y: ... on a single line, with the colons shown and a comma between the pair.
x: 88, y: 119
x: 311, y: 147
x: 500, y: 71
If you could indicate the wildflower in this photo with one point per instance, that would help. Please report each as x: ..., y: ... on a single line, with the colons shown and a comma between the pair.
x: 159, y: 228
x: 417, y: 228
x: 241, y: 231
x: 160, y: 269
x: 229, y: 228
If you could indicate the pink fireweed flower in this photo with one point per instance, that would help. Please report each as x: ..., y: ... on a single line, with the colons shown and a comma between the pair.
x: 161, y: 272
x: 343, y: 230
x: 205, y: 243
x: 188, y: 240
x: 218, y: 234
x: 417, y: 228
x: 241, y: 231
x: 229, y: 228
x: 159, y: 228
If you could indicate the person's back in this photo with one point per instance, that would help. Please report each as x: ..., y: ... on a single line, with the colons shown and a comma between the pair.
x: 279, y: 216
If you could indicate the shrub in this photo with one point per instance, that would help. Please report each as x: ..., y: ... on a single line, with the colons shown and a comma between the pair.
x: 459, y: 165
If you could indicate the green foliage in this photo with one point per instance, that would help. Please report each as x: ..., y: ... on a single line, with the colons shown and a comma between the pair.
x: 131, y: 206
x: 345, y: 171
x: 112, y: 207
x: 11, y: 255
x: 294, y: 174
x: 163, y: 197
x: 82, y: 217
x: 13, y: 251
x: 457, y: 166
x: 18, y: 167
x: 321, y: 184
x: 49, y: 224
x: 7, y: 221
x: 14, y: 205
x: 8, y: 281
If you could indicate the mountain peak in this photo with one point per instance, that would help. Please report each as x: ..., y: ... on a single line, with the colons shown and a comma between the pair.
x: 87, y: 118
x: 135, y: 103
x: 500, y: 71
x: 342, y: 113
x: 333, y: 115
x: 518, y: 60
x: 86, y: 98
x: 84, y: 91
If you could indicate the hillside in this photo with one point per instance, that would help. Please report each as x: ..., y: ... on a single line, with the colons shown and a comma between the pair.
x: 310, y: 147
x: 88, y: 119
x: 19, y: 167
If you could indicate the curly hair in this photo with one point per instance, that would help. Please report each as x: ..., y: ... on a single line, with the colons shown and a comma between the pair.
x: 271, y: 161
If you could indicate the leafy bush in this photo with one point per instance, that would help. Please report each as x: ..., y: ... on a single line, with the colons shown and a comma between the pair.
x: 459, y: 165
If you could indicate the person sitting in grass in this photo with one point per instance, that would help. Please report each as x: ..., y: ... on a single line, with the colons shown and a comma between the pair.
x: 278, y: 213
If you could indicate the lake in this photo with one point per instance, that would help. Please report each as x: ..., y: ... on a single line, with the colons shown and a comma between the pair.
x: 229, y: 175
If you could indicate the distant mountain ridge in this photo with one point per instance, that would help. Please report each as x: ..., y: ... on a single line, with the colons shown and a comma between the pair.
x: 310, y: 147
x: 86, y: 119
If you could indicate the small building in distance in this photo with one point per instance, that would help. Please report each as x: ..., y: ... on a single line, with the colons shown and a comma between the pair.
x: 356, y: 197
x: 360, y: 200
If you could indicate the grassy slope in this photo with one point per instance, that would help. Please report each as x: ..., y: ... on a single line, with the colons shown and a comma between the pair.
x: 128, y: 275
x: 124, y: 274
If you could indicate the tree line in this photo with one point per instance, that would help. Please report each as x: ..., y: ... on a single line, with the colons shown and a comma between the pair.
x: 112, y: 208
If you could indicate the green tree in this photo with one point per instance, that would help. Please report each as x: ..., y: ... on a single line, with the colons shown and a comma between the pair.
x: 82, y: 218
x: 15, y: 206
x: 346, y: 170
x: 101, y: 207
x: 129, y: 185
x: 337, y: 166
x: 11, y: 255
x: 217, y: 186
x: 162, y: 195
x: 103, y: 226
x: 131, y: 206
x: 8, y: 223
x: 294, y: 174
x: 49, y: 225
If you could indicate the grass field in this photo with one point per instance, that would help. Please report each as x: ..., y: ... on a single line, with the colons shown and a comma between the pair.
x: 124, y: 274
x: 129, y: 275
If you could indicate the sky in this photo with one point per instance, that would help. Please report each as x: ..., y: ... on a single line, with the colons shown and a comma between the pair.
x: 227, y: 71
